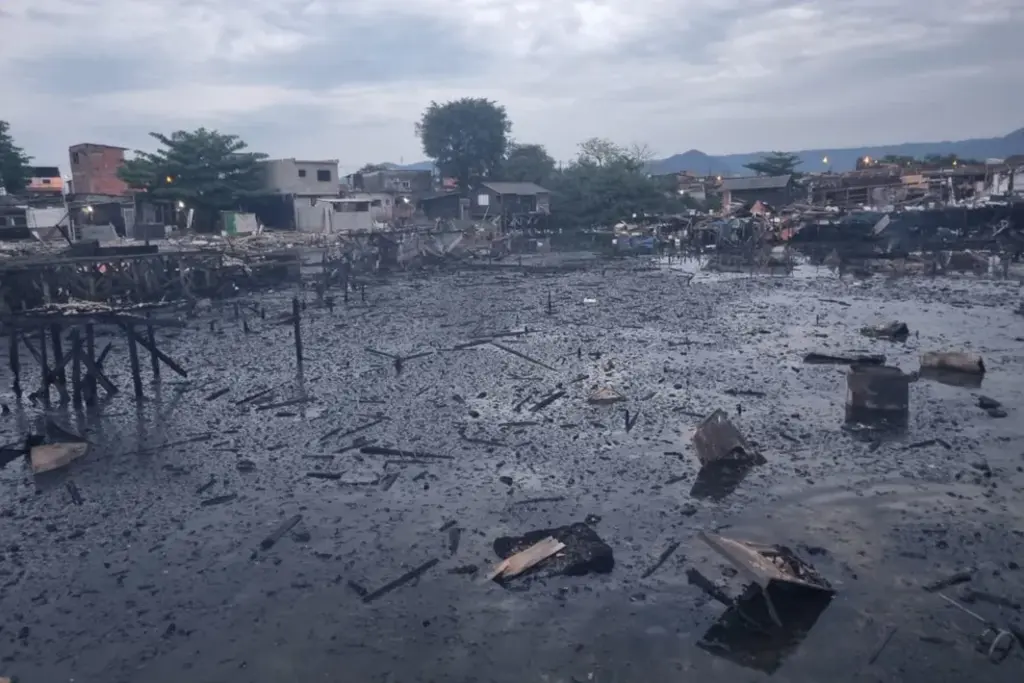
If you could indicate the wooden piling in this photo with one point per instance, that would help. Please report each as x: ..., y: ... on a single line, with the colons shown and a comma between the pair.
x: 154, y: 360
x: 15, y: 361
x: 297, y: 322
x: 58, y: 354
x: 76, y: 365
x: 133, y: 354
x: 44, y: 367
x: 90, y: 352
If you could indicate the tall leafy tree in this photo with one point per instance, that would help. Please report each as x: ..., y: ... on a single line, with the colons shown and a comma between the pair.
x: 607, y: 183
x: 210, y: 171
x: 466, y: 138
x: 526, y: 163
x: 775, y: 163
x: 14, y: 170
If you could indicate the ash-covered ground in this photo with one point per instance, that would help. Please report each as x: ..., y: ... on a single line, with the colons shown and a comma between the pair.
x: 142, y: 581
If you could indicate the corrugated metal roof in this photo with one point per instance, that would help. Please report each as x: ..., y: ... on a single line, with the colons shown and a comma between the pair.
x: 761, y: 182
x: 516, y: 188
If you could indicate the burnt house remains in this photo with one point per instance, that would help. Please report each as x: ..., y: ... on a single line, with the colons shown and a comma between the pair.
x: 777, y: 190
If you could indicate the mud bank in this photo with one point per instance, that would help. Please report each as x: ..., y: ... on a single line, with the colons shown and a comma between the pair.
x: 142, y: 581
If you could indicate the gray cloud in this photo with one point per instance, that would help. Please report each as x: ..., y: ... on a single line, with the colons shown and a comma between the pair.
x: 348, y: 80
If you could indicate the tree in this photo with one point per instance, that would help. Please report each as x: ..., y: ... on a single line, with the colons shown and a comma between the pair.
x: 373, y: 168
x: 606, y: 184
x: 466, y: 138
x: 775, y: 163
x: 526, y: 163
x: 207, y: 170
x: 14, y: 171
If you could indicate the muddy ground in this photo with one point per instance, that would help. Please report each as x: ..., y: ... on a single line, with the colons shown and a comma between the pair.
x: 143, y: 582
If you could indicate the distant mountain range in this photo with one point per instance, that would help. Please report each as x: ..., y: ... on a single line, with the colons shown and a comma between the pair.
x: 843, y: 159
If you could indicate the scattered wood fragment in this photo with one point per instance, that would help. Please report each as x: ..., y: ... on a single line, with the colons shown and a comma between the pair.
x: 522, y: 355
x: 170, y: 444
x: 829, y: 359
x: 448, y: 525
x: 252, y: 397
x: 470, y: 344
x: 76, y: 495
x: 631, y: 420
x: 745, y: 392
x: 53, y: 456
x: 219, y: 500
x: 388, y: 480
x: 517, y: 564
x: 962, y: 576
x: 334, y: 476
x: 354, y: 430
x: 970, y: 595
x: 533, y: 501
x: 928, y: 442
x: 605, y: 396
x: 454, y: 536
x: 835, y: 301
x: 546, y: 401
x: 400, y: 581
x: 285, y: 404
x: 278, y: 533
x: 665, y: 554
x: 956, y: 361
x: 357, y: 589
x: 464, y: 569
x: 217, y: 394
x: 207, y: 486
x: 885, y: 642
x: 514, y: 425
x: 419, y: 455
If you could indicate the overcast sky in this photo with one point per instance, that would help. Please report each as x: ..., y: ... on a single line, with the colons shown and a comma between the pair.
x: 347, y: 79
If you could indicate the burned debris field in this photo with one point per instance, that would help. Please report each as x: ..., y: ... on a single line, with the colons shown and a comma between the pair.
x: 555, y: 430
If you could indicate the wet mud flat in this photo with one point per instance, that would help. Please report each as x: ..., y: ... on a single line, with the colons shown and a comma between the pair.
x: 159, y: 568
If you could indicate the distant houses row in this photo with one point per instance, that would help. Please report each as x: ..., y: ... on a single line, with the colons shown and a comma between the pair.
x: 299, y: 194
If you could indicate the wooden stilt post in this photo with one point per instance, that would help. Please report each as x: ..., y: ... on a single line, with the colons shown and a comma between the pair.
x: 58, y: 354
x: 15, y: 361
x: 154, y: 360
x: 76, y: 365
x: 44, y: 366
x: 90, y: 352
x: 133, y: 355
x: 297, y: 321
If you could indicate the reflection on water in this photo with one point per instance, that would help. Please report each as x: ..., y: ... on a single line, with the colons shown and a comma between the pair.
x: 746, y: 635
x: 717, y: 480
x: 966, y: 380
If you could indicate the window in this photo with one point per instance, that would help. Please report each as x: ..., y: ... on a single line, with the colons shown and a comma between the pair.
x: 323, y: 176
x: 302, y: 173
x: 483, y: 200
x: 74, y: 158
x: 46, y: 181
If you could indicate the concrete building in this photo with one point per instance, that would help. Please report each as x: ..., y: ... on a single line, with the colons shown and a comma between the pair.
x: 396, y: 181
x: 302, y: 177
x: 44, y: 181
x: 94, y: 169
